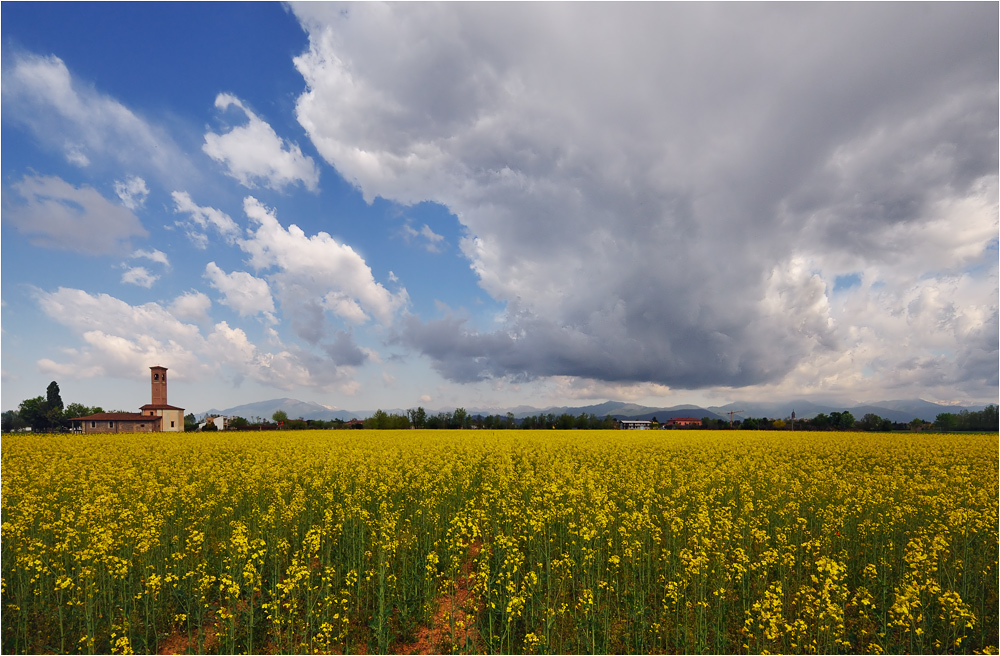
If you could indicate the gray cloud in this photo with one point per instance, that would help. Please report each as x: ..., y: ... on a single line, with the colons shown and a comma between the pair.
x: 55, y: 214
x: 664, y: 192
x: 344, y: 352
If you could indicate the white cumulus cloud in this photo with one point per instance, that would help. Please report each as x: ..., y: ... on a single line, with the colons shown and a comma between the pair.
x: 132, y: 191
x: 154, y: 255
x: 313, y: 275
x: 241, y: 291
x: 119, y: 340
x: 199, y: 219
x: 192, y: 305
x: 139, y: 276
x: 254, y: 154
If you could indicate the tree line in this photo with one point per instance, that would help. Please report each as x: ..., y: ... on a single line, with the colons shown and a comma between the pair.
x: 418, y: 417
x: 966, y: 420
x: 45, y: 414
x: 460, y: 418
x: 48, y: 414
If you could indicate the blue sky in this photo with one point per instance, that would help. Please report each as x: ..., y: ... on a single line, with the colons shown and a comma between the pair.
x: 479, y: 205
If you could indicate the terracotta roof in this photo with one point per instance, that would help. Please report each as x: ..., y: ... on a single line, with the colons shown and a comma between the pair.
x: 117, y: 416
x: 159, y: 406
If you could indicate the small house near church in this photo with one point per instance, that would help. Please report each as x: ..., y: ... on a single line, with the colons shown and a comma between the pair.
x: 154, y: 417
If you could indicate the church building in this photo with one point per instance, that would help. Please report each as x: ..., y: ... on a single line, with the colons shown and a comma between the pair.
x: 153, y: 417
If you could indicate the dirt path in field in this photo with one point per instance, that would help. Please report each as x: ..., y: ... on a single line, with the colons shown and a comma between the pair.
x: 438, y: 637
x: 178, y: 643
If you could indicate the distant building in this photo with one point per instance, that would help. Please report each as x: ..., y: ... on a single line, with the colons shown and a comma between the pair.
x: 221, y: 423
x: 154, y: 417
x: 634, y: 424
x: 683, y: 421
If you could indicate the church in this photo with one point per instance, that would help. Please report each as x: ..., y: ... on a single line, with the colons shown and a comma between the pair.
x: 153, y: 417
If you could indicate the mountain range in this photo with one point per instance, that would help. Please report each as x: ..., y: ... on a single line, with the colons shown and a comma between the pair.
x: 897, y: 411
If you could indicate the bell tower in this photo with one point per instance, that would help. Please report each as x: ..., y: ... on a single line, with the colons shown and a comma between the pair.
x: 158, y: 381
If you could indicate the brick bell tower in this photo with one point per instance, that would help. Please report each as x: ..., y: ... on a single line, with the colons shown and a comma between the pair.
x: 171, y: 417
x: 158, y: 381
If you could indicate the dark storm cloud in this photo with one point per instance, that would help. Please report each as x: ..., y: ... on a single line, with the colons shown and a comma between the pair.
x: 667, y: 192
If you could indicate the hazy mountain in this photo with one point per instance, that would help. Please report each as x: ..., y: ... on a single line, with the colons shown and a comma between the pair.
x: 775, y: 410
x: 308, y: 410
x: 294, y: 408
x: 616, y: 409
x: 899, y: 411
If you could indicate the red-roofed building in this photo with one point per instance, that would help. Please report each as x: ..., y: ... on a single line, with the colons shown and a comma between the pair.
x: 683, y: 421
x: 153, y: 417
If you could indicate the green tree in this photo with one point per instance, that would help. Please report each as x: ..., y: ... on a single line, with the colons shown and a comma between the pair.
x: 460, y: 419
x: 440, y: 420
x: 418, y: 417
x: 989, y: 418
x: 378, y: 420
x: 980, y: 420
x: 190, y: 422
x: 384, y: 421
x: 78, y: 410
x: 870, y: 422
x: 280, y: 417
x: 34, y: 413
x: 946, y: 421
x: 54, y: 407
x: 239, y: 423
x: 11, y: 421
x: 52, y: 396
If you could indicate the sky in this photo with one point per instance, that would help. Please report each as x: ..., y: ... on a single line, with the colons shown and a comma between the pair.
x: 487, y: 205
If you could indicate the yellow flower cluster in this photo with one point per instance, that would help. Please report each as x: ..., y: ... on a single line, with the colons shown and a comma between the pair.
x: 505, y: 541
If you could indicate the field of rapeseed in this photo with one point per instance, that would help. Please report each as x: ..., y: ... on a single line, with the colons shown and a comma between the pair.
x: 521, y: 541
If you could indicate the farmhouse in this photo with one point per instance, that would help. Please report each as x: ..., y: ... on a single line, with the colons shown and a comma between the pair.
x: 153, y: 417
x: 634, y: 424
x: 683, y: 421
